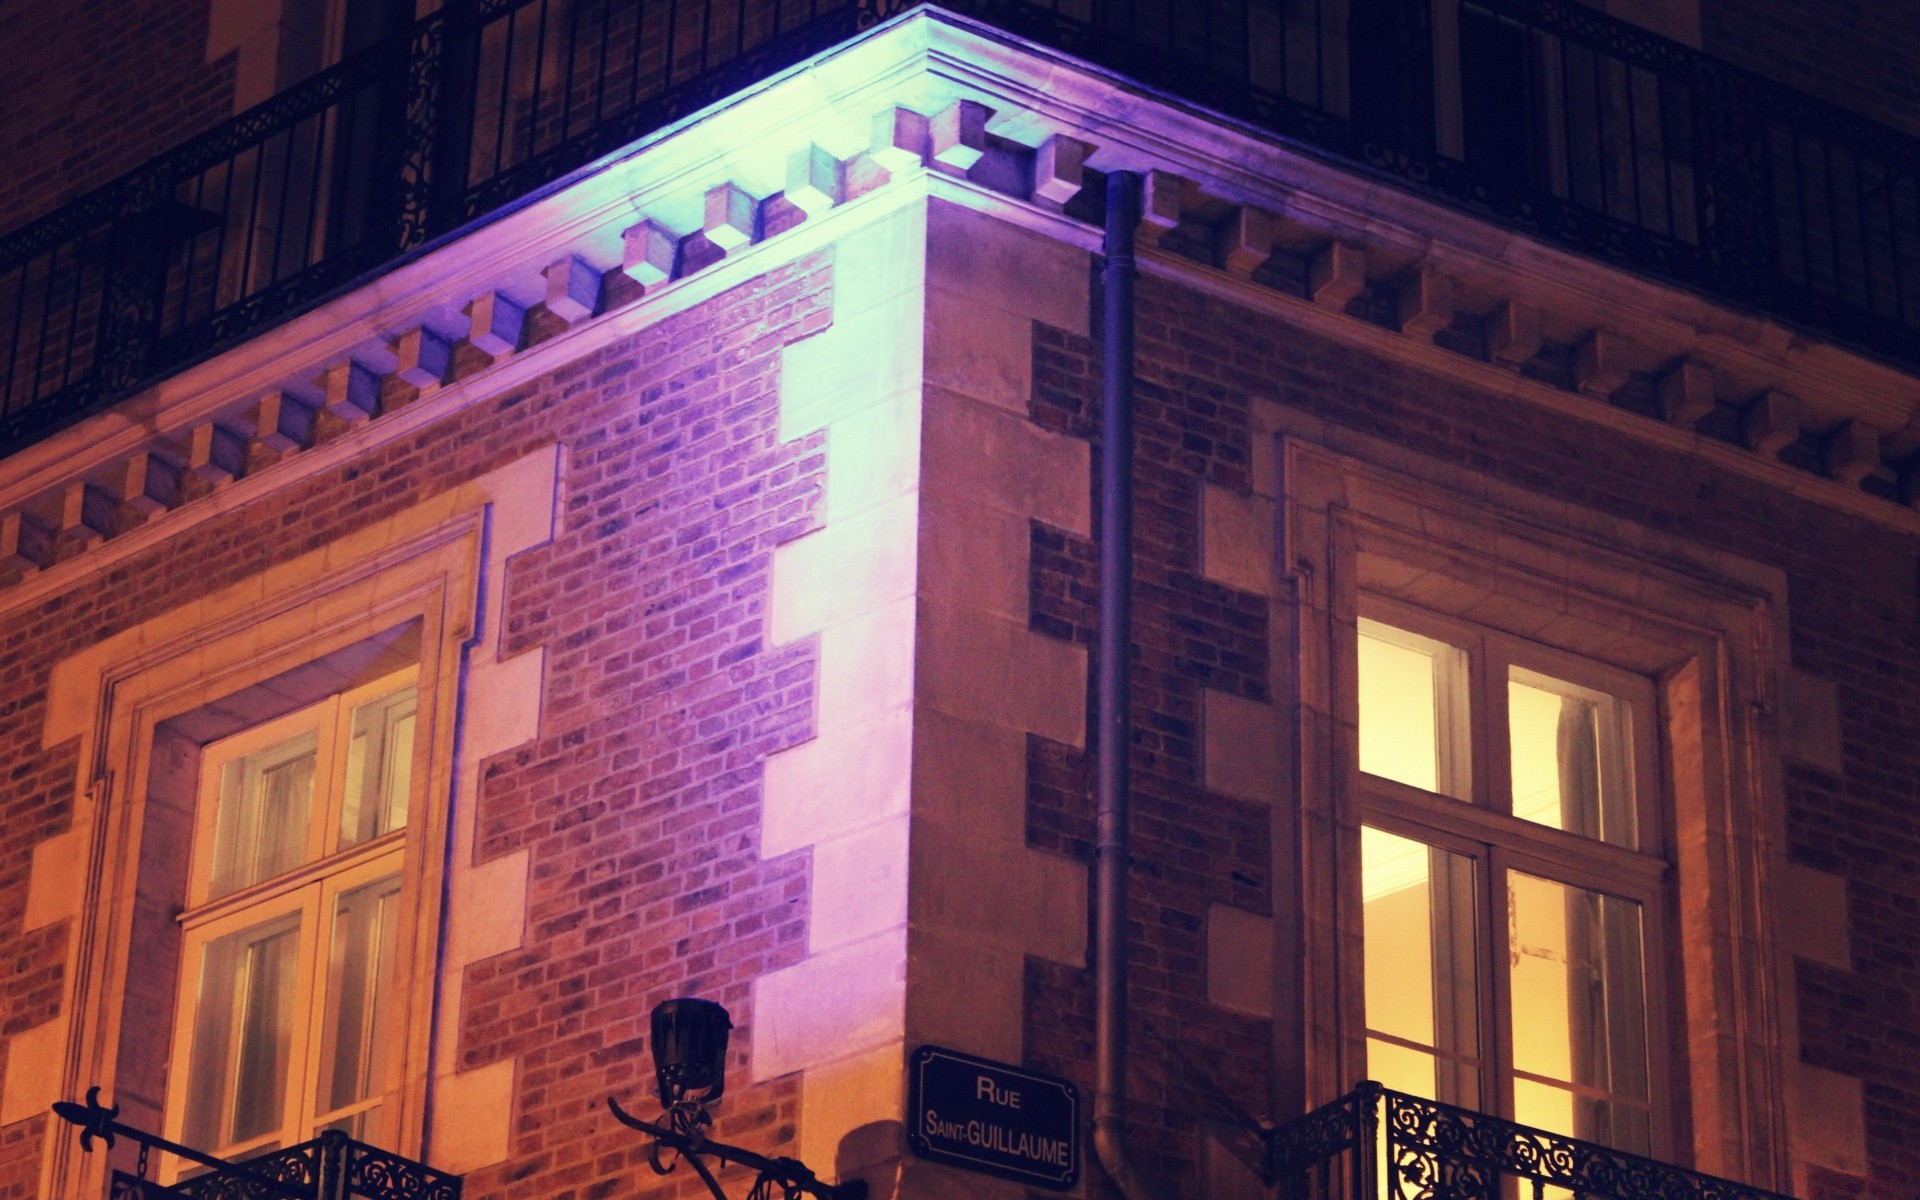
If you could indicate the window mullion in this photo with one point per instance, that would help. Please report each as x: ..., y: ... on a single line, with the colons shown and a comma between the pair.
x: 1496, y: 983
x: 1554, y: 852
x: 327, y: 783
x: 1491, y: 711
x: 303, y: 1051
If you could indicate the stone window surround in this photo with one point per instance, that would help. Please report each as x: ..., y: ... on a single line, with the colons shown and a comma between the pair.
x: 1709, y: 628
x: 186, y: 661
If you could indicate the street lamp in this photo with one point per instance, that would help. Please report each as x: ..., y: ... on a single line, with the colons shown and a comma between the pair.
x: 690, y: 1051
x: 690, y: 1063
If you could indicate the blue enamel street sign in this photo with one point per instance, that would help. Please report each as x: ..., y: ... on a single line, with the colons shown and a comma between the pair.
x: 987, y: 1116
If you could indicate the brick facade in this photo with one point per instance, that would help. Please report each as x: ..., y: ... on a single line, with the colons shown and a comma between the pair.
x: 689, y: 612
x: 1202, y: 362
x: 108, y: 86
x: 1853, y: 55
x: 639, y: 799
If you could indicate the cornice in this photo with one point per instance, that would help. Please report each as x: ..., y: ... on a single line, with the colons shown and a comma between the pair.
x: 932, y: 103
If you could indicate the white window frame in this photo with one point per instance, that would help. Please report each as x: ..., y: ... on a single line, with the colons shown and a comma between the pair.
x: 311, y: 888
x: 1480, y: 826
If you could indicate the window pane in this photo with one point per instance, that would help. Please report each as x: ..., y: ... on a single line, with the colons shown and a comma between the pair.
x: 1615, y: 1123
x: 261, y: 828
x: 1421, y: 992
x: 1412, y: 710
x: 1576, y: 967
x: 359, y: 973
x: 379, y: 770
x: 1569, y: 758
x: 242, y: 1034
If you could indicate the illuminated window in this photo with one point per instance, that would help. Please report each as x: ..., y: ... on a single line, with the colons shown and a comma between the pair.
x: 1510, y: 877
x: 286, y: 1022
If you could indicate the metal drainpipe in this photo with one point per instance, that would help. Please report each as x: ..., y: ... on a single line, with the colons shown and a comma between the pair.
x: 1114, y: 717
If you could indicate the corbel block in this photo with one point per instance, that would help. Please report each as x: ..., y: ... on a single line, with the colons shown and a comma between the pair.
x: 1686, y: 393
x: 957, y: 135
x: 1910, y: 481
x: 349, y: 390
x: 1163, y: 199
x: 1338, y: 274
x: 863, y: 174
x: 149, y: 485
x: 86, y: 513
x: 1513, y: 333
x: 1426, y: 303
x: 648, y: 252
x: 816, y: 180
x: 216, y: 455
x: 573, y: 289
x: 1245, y: 240
x: 1602, y: 363
x: 1059, y: 170
x: 1852, y: 452
x: 1772, y: 423
x: 423, y: 357
x: 494, y: 323
x: 282, y: 423
x: 26, y: 542
x: 900, y: 140
x: 729, y: 220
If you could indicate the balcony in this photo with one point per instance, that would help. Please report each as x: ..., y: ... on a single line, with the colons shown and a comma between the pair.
x: 1376, y: 1144
x: 1539, y: 115
x: 330, y: 1167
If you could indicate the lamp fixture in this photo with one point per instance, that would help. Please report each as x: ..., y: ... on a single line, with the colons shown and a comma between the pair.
x: 690, y: 1061
x: 690, y: 1051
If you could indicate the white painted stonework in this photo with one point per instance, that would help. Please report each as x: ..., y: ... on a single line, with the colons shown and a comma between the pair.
x: 982, y: 900
x: 487, y: 902
x: 1826, y: 1111
x: 912, y: 795
x: 839, y: 1016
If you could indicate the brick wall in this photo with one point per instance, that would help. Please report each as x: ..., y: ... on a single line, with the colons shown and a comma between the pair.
x: 1859, y: 55
x: 1853, y: 609
x: 93, y: 88
x: 639, y: 799
x: 1192, y: 847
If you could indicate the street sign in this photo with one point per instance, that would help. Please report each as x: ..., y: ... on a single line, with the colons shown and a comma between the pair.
x: 990, y: 1117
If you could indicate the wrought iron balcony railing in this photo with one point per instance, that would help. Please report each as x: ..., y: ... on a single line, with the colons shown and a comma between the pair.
x: 1376, y: 1144
x: 330, y: 1167
x: 1542, y: 115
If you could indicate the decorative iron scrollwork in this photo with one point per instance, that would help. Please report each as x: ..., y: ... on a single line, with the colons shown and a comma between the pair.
x: 330, y: 1167
x: 1433, y: 1151
x: 873, y: 12
x: 684, y: 1139
x: 94, y: 1119
x: 1731, y: 221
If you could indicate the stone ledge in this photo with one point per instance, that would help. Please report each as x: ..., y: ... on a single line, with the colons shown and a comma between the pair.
x: 1445, y: 289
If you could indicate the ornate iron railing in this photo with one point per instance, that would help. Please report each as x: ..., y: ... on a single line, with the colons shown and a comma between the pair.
x: 330, y: 1167
x: 1543, y: 115
x: 1376, y: 1144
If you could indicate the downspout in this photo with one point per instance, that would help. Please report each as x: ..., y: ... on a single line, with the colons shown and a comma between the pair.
x: 1114, y: 719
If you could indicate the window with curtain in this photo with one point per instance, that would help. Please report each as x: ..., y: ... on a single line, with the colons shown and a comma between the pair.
x: 1511, y: 878
x: 294, y: 906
